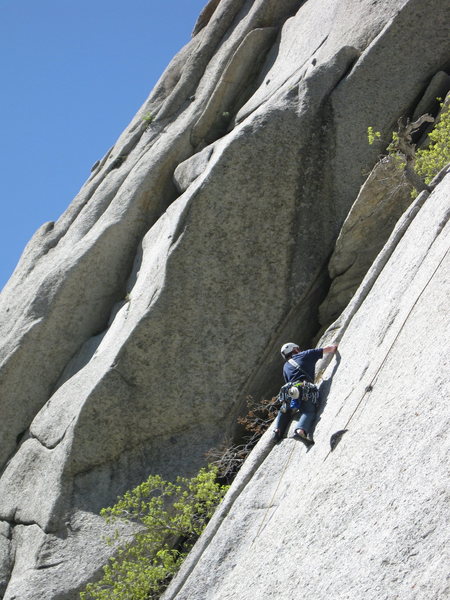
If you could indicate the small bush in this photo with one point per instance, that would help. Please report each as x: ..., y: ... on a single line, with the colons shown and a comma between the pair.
x: 171, y: 517
x: 429, y: 161
x: 148, y: 118
x: 420, y: 166
x: 229, y: 457
x: 392, y: 149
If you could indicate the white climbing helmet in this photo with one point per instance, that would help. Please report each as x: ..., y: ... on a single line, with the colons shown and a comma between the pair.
x: 287, y: 348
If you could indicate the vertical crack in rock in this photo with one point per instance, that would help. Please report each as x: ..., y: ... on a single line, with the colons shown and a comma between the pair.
x: 381, y: 201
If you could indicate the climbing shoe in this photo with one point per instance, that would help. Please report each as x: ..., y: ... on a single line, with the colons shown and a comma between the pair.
x: 301, y: 433
x: 277, y: 437
x: 307, y: 438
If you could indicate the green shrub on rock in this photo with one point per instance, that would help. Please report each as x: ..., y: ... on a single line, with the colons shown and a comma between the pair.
x: 430, y: 160
x: 420, y: 166
x: 171, y: 516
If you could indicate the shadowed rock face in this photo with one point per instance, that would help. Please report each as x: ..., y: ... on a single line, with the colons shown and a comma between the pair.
x: 135, y: 326
x: 381, y: 201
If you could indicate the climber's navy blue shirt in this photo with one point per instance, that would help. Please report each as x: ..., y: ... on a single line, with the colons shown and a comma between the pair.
x: 306, y: 362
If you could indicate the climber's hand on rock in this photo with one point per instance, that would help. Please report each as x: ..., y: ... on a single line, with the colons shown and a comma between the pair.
x: 330, y: 349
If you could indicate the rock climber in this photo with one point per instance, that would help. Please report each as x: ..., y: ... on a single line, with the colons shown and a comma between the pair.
x: 299, y: 370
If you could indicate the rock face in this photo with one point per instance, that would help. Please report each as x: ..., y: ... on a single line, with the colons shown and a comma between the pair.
x: 368, y: 519
x: 199, y: 243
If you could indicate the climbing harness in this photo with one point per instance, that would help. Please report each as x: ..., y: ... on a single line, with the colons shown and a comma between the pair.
x: 284, y: 399
x: 310, y: 392
x: 293, y: 392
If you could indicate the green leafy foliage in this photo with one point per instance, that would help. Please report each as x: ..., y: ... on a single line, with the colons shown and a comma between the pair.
x: 422, y: 165
x: 429, y: 161
x: 393, y: 146
x: 170, y: 516
x: 372, y: 135
x: 393, y: 150
x: 148, y: 118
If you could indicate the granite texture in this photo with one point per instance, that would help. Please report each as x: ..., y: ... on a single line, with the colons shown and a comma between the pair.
x: 202, y: 238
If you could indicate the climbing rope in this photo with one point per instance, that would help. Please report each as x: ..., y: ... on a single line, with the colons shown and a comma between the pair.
x: 370, y: 385
x: 266, y: 512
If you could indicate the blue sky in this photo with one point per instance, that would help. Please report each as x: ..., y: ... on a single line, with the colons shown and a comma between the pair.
x: 73, y: 74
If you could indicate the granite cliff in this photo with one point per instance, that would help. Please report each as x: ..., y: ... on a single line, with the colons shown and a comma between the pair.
x: 204, y: 237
